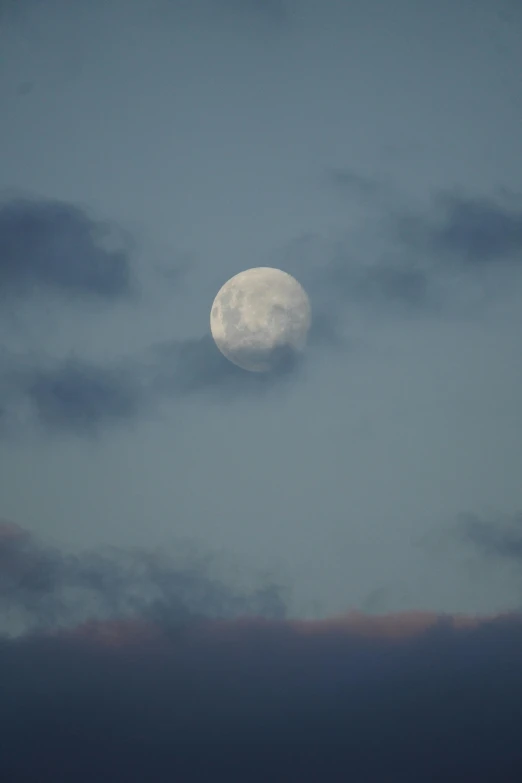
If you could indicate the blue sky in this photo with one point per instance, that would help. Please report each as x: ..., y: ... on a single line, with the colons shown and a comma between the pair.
x: 149, y: 151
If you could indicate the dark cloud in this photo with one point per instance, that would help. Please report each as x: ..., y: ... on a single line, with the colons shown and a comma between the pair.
x: 475, y: 231
x: 407, y: 262
x: 132, y: 667
x: 41, y: 587
x: 83, y: 397
x: 167, y: 674
x: 52, y: 246
x: 70, y: 395
x: 181, y: 368
x: 500, y: 538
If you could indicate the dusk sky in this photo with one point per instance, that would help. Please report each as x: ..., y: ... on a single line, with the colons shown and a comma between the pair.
x: 151, y: 150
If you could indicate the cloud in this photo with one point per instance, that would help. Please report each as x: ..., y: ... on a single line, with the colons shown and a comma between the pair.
x: 471, y: 230
x: 174, y: 675
x: 71, y: 394
x: 449, y: 258
x: 55, y: 247
x: 80, y: 396
x: 182, y: 368
x: 500, y: 538
x: 85, y: 398
x: 358, y: 274
x: 41, y: 587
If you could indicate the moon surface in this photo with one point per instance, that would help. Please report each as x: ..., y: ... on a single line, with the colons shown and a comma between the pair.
x: 260, y: 319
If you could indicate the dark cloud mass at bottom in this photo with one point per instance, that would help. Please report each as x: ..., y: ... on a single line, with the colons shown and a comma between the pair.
x: 137, y: 697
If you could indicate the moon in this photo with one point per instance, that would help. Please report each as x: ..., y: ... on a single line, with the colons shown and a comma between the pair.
x: 260, y: 319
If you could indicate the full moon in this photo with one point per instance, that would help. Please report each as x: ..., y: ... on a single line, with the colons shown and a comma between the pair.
x: 260, y: 319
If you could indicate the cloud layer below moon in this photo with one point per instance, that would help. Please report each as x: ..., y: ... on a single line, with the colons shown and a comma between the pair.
x: 169, y: 684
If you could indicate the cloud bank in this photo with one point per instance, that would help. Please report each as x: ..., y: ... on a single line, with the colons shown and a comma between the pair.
x: 197, y: 696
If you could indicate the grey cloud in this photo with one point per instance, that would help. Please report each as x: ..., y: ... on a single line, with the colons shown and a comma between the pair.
x: 340, y: 275
x: 53, y: 246
x: 83, y: 397
x: 181, y: 368
x: 476, y: 231
x: 129, y: 661
x: 70, y: 394
x: 402, y: 262
x: 393, y: 698
x: 500, y: 538
x: 43, y: 587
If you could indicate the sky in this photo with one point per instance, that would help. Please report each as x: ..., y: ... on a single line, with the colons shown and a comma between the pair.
x: 150, y: 151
